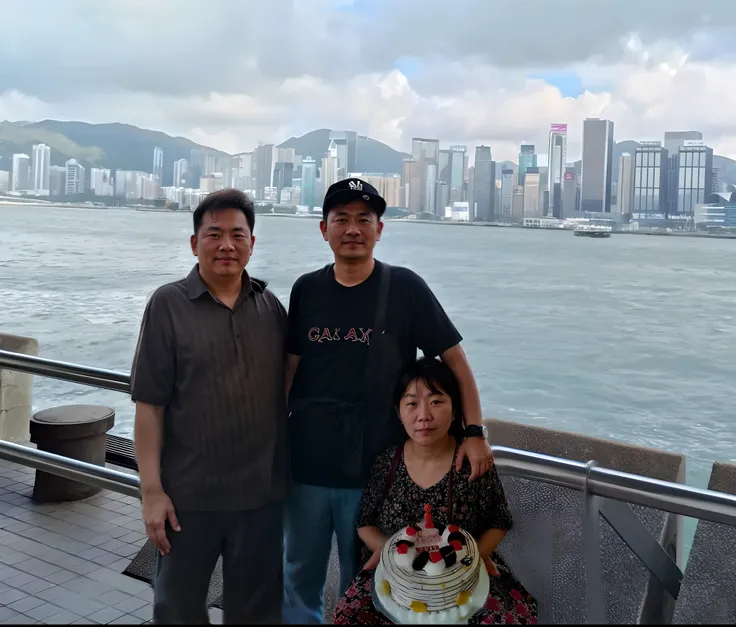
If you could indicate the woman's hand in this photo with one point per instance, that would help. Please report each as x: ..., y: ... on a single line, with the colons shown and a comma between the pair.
x: 491, y: 567
x: 479, y: 454
x: 373, y: 562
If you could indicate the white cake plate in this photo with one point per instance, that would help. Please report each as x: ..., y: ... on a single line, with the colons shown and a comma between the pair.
x: 456, y: 616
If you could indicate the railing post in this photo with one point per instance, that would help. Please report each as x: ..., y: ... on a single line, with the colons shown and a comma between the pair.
x: 16, y: 391
x: 595, y: 596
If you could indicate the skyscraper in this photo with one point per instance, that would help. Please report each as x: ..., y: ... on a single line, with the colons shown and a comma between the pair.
x: 673, y: 140
x: 557, y: 162
x: 484, y: 184
x: 694, y: 177
x: 74, y: 178
x: 457, y: 173
x: 346, y: 143
x: 597, y: 166
x: 21, y: 175
x: 532, y: 194
x: 158, y: 165
x: 625, y: 187
x: 309, y: 182
x: 527, y: 159
x: 181, y: 168
x: 507, y: 193
x: 41, y: 169
x: 426, y: 152
x: 649, y: 204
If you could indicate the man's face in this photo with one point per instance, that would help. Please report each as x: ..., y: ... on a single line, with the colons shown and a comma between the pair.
x: 224, y: 243
x: 352, y: 230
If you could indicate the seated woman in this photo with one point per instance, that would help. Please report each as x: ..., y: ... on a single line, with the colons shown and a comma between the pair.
x: 422, y: 471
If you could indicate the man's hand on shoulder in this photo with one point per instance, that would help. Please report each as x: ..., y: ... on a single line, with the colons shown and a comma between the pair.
x: 479, y: 454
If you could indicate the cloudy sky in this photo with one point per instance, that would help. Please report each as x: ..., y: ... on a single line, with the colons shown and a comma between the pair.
x: 230, y: 73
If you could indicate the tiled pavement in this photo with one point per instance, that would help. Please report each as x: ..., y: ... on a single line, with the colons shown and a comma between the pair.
x: 63, y: 563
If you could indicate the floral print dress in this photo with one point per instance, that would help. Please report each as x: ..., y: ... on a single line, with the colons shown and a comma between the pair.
x: 476, y: 507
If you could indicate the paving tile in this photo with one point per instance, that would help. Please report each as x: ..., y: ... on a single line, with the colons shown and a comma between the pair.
x: 8, y: 616
x: 128, y: 619
x: 42, y: 612
x: 20, y: 581
x: 62, y: 618
x: 144, y: 613
x: 87, y: 587
x: 37, y: 567
x: 84, y: 621
x: 130, y: 604
x: 106, y: 615
x: 113, y: 597
x: 6, y: 572
x: 61, y: 576
x: 37, y: 586
x: 129, y: 551
x: 25, y: 604
x: 51, y: 593
x: 10, y: 596
x: 146, y: 594
x: 21, y: 619
x: 17, y: 527
x: 113, y: 544
x: 77, y: 603
x: 10, y: 557
x: 105, y: 559
x: 118, y: 581
x: 132, y: 536
x: 91, y: 553
x: 121, y: 564
x: 76, y: 565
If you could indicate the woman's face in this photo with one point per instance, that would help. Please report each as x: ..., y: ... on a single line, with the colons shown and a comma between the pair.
x: 426, y: 416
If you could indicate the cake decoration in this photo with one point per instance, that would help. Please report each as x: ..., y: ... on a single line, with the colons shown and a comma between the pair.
x: 431, y: 571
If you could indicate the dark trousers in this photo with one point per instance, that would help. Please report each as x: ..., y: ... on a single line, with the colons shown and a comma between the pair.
x: 251, y: 545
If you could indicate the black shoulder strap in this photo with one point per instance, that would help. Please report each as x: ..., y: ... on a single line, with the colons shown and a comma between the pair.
x: 378, y: 325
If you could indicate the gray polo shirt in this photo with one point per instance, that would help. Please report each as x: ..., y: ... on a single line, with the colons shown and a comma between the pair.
x: 219, y: 373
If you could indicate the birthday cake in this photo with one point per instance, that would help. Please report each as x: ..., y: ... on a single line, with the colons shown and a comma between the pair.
x: 429, y: 574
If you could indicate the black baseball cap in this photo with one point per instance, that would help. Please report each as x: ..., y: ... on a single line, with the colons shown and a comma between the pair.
x: 348, y: 190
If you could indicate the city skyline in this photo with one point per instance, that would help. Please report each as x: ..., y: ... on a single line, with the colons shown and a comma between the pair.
x: 489, y: 77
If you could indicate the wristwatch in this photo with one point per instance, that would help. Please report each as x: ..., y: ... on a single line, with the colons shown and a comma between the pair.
x: 476, y: 431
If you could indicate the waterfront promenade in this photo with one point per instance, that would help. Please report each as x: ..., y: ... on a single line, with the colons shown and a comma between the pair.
x: 62, y: 563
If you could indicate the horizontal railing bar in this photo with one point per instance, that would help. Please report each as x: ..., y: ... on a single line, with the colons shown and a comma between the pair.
x: 671, y: 497
x: 639, y: 490
x: 74, y: 373
x: 73, y: 469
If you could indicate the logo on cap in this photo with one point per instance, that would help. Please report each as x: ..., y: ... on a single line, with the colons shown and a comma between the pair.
x: 356, y: 185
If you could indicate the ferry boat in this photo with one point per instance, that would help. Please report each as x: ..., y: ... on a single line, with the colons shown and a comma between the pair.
x: 592, y: 230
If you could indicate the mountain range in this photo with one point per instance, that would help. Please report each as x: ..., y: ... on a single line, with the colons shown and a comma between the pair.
x: 125, y: 147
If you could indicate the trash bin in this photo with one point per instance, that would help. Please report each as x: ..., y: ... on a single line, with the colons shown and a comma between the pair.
x: 74, y: 431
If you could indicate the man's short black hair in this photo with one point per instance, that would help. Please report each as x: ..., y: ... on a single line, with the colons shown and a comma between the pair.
x: 225, y: 199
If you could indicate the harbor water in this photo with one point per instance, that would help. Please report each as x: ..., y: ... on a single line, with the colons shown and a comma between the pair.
x: 630, y: 338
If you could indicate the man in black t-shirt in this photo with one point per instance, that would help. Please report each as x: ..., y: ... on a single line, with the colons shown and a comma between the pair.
x: 341, y: 372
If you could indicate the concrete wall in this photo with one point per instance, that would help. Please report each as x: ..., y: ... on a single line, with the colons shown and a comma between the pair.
x: 16, y: 392
x: 545, y: 546
x: 708, y: 591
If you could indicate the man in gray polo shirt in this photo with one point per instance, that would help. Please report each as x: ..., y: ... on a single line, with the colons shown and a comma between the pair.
x: 210, y: 423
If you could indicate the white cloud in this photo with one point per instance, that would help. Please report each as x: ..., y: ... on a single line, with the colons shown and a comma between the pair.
x: 231, y: 73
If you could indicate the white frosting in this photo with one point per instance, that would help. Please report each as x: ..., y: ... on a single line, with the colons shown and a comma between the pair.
x: 437, y: 585
x: 454, y: 615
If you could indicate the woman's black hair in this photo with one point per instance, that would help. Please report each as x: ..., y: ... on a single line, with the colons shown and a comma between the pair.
x: 439, y: 378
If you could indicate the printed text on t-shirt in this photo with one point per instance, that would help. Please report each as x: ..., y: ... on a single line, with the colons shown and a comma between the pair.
x: 319, y: 334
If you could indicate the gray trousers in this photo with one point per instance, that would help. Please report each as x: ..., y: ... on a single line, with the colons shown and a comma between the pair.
x: 251, y: 545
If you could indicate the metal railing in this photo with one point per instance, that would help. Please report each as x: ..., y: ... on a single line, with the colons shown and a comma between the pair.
x: 607, y: 492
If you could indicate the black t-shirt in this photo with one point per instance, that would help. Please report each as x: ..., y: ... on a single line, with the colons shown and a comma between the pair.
x: 331, y: 328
